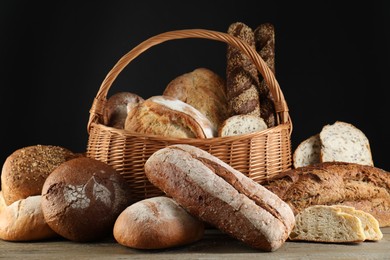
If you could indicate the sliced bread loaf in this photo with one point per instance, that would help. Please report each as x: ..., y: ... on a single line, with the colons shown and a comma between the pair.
x: 241, y: 124
x: 344, y: 142
x: 307, y: 152
x: 329, y: 224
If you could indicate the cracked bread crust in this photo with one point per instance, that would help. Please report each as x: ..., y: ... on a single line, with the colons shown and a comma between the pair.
x: 221, y: 196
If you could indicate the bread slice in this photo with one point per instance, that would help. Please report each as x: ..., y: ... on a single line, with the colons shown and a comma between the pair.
x: 241, y: 124
x: 307, y: 152
x: 329, y: 224
x: 370, y: 224
x: 344, y: 142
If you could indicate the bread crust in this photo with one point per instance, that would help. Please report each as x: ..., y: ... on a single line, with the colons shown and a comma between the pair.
x: 241, y: 74
x: 23, y: 221
x: 364, y: 187
x: 204, y: 90
x: 157, y: 223
x: 171, y: 117
x: 221, y: 196
x: 26, y: 169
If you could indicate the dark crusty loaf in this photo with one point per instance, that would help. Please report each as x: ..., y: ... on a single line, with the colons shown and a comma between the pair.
x: 157, y: 223
x: 241, y: 74
x: 264, y: 36
x: 82, y: 198
x: 27, y: 168
x: 221, y: 196
x: 364, y: 187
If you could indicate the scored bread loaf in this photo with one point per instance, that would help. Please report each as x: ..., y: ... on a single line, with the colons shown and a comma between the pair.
x: 308, y: 152
x: 241, y: 124
x: 344, y: 142
x: 157, y: 223
x: 167, y: 116
x: 204, y: 90
x: 117, y: 107
x: 369, y: 223
x: 241, y: 74
x: 327, y: 224
x: 216, y: 193
x: 363, y: 187
x: 23, y: 220
x: 264, y: 36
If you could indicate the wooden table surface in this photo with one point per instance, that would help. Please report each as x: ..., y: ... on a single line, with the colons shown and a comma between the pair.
x: 214, y: 245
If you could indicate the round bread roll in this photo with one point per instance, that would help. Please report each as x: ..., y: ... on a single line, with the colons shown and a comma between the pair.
x: 117, y: 107
x: 26, y: 169
x: 156, y: 223
x: 204, y: 90
x: 82, y: 198
x: 23, y: 221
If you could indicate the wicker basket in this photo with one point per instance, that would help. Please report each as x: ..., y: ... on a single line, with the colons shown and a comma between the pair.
x: 258, y: 155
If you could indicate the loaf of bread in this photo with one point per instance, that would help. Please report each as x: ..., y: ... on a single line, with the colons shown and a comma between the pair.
x: 308, y: 152
x: 117, y: 107
x: 216, y: 193
x: 82, y: 198
x: 363, y: 187
x: 23, y: 220
x: 264, y: 36
x: 204, y: 90
x: 327, y: 224
x: 241, y: 124
x: 27, y: 168
x: 344, y: 142
x: 241, y: 74
x: 170, y: 117
x: 157, y: 223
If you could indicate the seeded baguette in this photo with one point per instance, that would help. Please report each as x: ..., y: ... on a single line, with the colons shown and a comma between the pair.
x: 221, y: 196
x: 241, y: 75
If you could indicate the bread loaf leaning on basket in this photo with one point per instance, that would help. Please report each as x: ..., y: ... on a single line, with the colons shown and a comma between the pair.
x: 258, y: 155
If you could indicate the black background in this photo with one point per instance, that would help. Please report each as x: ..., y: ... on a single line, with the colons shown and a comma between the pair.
x: 332, y: 61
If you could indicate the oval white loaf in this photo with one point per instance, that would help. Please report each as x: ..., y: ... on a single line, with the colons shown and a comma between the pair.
x: 221, y: 196
x: 156, y: 223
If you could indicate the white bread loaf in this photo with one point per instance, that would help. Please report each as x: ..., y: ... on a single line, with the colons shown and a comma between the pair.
x: 156, y: 223
x: 329, y: 224
x: 307, y: 152
x: 23, y: 221
x: 241, y: 124
x: 344, y: 142
x: 170, y: 117
x: 216, y: 193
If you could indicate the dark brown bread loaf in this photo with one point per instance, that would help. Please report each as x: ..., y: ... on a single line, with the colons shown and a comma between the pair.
x: 221, y: 196
x: 82, y: 198
x: 264, y: 36
x: 27, y: 168
x: 364, y: 187
x: 241, y: 75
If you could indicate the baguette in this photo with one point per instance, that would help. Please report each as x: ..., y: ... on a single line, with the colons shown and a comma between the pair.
x: 216, y: 193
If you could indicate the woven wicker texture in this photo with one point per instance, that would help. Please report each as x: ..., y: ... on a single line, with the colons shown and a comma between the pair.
x: 258, y: 155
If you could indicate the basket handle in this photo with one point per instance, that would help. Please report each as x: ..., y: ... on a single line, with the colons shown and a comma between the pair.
x: 281, y: 108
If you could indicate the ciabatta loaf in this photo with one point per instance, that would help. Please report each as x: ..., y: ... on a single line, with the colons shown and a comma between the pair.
x: 363, y: 187
x: 327, y: 224
x: 216, y: 193
x: 170, y: 117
